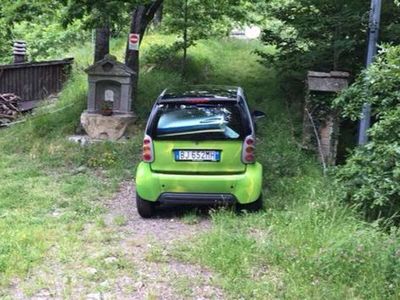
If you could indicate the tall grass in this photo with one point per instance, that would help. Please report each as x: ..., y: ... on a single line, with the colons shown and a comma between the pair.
x: 311, y: 249
x: 306, y: 244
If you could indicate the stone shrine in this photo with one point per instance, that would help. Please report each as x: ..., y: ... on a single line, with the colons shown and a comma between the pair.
x: 109, y: 108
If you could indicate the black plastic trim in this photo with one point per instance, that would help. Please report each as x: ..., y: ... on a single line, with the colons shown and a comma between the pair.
x: 197, y: 199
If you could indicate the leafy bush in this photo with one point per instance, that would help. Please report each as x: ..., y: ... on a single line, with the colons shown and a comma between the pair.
x: 48, y: 39
x: 162, y: 55
x: 371, y: 176
x: 5, y: 44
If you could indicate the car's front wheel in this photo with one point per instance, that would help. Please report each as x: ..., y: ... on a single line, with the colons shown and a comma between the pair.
x: 144, y: 208
x: 251, y: 207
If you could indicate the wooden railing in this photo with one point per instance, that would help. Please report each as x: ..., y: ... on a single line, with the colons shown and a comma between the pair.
x: 35, y: 80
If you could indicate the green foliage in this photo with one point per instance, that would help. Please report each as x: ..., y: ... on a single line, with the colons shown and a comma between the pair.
x: 339, y: 25
x: 98, y: 13
x: 46, y: 38
x: 197, y: 17
x: 5, y: 44
x: 193, y: 20
x: 377, y: 86
x: 203, y: 19
x: 371, y: 175
x: 30, y: 196
x: 321, y: 35
x: 107, y: 155
x: 50, y: 27
x: 14, y: 12
x: 164, y: 56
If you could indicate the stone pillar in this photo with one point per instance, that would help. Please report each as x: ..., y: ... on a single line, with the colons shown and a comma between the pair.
x: 92, y: 97
x: 321, y: 133
x: 125, y: 105
x: 329, y: 132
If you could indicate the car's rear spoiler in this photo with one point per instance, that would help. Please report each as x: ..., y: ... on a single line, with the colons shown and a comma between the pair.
x: 197, y: 100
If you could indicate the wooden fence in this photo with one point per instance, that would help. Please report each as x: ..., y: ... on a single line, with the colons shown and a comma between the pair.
x: 34, y: 81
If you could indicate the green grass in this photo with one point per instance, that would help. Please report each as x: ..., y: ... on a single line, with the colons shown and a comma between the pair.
x: 50, y: 188
x: 156, y: 254
x: 313, y: 249
x: 120, y: 220
x: 305, y: 245
x: 191, y: 218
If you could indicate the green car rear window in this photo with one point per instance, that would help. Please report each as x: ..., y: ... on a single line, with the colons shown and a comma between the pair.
x: 206, y: 121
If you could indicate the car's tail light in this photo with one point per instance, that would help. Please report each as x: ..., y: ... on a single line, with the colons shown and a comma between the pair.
x: 148, y: 153
x: 249, y: 148
x: 197, y: 100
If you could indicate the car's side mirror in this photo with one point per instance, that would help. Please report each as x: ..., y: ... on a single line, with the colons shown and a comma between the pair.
x: 258, y: 115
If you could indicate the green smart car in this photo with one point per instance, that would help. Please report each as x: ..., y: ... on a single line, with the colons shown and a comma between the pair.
x: 199, y: 149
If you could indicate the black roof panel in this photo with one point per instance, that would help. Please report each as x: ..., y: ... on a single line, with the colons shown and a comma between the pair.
x: 209, y: 92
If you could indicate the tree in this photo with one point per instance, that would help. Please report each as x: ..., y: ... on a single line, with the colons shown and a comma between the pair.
x: 15, y: 11
x: 158, y: 17
x: 108, y: 14
x: 99, y: 15
x: 198, y: 19
x: 141, y: 17
x: 322, y: 35
x: 102, y: 43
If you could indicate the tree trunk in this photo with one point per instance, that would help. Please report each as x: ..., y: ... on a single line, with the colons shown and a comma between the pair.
x: 185, y: 39
x: 142, y: 15
x: 158, y: 16
x: 102, y: 43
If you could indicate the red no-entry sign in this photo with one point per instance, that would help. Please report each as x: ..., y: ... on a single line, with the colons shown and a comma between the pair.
x: 134, y: 39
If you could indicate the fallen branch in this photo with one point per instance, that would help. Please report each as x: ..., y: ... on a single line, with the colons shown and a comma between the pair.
x: 321, y: 153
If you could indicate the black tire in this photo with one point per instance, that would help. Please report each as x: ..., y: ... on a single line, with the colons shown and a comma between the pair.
x: 251, y: 207
x: 145, y: 208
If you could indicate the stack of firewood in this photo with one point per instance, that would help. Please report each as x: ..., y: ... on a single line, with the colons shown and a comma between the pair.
x: 9, y: 109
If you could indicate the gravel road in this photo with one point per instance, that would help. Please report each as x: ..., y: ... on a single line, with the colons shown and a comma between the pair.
x: 141, y: 236
x: 125, y: 258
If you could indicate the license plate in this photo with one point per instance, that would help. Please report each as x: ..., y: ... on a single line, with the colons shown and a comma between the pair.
x: 197, y: 155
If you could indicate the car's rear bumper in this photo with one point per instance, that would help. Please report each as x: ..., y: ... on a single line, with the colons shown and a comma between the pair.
x: 244, y: 187
x: 197, y: 199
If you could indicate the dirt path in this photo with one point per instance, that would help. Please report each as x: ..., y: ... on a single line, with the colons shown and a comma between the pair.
x: 148, y: 244
x: 127, y: 258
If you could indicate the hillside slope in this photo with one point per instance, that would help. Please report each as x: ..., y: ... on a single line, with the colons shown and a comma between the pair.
x: 304, y: 245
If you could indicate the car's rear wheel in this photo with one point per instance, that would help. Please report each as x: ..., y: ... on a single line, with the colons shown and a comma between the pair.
x: 251, y: 207
x: 145, y: 208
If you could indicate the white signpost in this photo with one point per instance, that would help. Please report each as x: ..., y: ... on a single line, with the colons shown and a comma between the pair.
x: 134, y: 39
